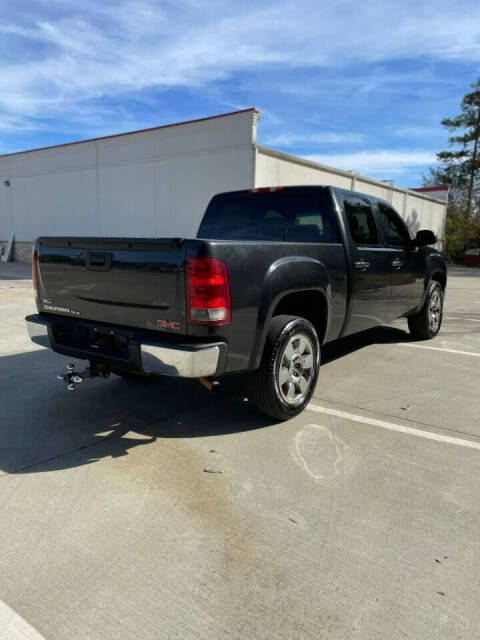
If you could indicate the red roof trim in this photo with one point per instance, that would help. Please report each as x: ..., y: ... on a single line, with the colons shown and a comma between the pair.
x: 429, y: 188
x: 128, y: 133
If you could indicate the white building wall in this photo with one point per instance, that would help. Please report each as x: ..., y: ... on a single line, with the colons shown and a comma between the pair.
x: 276, y: 168
x: 149, y: 183
x: 398, y: 201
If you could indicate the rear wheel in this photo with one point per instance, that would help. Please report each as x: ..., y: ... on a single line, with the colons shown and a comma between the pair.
x: 425, y: 324
x: 283, y: 385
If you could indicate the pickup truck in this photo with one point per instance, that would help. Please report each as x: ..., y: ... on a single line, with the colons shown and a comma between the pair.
x: 273, y: 274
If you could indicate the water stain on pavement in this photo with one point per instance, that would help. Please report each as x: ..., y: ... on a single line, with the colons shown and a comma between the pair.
x: 318, y: 452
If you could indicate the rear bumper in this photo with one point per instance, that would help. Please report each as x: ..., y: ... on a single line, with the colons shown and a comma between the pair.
x: 145, y: 354
x: 183, y: 362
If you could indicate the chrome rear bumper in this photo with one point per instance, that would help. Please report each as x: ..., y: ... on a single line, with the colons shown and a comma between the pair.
x: 186, y: 361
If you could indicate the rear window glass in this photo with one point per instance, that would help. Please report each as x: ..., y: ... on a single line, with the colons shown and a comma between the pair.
x: 289, y: 216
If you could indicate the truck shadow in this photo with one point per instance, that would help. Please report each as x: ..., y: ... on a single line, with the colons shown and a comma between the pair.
x: 378, y: 335
x: 44, y: 428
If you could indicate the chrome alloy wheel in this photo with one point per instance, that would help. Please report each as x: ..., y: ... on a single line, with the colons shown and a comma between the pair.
x: 435, y: 311
x: 296, y: 370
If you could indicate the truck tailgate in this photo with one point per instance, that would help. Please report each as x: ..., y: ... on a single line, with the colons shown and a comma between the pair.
x: 132, y: 282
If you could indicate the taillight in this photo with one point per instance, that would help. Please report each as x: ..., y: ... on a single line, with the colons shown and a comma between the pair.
x: 35, y: 274
x: 208, y: 292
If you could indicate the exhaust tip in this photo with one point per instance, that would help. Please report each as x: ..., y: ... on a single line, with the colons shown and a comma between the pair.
x: 208, y: 383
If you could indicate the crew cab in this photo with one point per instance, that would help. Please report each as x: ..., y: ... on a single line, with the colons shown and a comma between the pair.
x: 273, y: 274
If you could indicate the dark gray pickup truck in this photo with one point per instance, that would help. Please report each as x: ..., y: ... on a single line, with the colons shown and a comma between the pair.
x: 273, y: 274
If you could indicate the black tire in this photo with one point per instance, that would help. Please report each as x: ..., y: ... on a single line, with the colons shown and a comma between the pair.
x: 426, y: 324
x: 265, y: 392
x: 131, y: 375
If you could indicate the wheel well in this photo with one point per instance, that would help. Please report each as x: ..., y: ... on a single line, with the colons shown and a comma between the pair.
x: 441, y: 278
x: 310, y: 305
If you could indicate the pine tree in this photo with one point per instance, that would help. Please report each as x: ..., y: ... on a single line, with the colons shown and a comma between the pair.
x: 460, y: 169
x: 465, y: 162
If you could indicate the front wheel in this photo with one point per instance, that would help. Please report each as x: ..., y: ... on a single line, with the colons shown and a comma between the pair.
x: 283, y: 385
x: 425, y: 324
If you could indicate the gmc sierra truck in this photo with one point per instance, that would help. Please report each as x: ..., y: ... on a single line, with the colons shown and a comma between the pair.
x: 273, y: 274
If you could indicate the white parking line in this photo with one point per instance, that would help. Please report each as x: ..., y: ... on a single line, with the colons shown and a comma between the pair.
x: 421, y: 346
x: 391, y: 426
x: 460, y: 318
x: 14, y: 627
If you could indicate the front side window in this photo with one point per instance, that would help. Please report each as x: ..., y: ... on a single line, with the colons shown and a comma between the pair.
x: 394, y: 230
x: 361, y: 222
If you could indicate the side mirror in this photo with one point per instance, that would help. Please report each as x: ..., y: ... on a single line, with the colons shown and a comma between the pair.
x: 425, y: 237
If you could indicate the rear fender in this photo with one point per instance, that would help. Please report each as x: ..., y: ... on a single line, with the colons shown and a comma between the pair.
x: 293, y: 274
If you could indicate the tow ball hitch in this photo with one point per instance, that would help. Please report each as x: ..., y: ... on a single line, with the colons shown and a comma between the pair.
x: 72, y: 377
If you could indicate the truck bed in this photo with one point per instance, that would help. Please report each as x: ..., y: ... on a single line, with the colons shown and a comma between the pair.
x: 139, y: 284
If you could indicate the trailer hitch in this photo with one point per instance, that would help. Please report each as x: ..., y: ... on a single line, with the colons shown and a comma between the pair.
x: 94, y: 370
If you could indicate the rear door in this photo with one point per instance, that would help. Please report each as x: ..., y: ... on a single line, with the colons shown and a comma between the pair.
x: 406, y: 278
x: 370, y: 269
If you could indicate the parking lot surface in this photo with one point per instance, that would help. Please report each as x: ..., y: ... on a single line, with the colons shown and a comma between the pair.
x: 357, y: 519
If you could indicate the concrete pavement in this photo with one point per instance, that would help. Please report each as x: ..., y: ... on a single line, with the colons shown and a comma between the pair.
x: 336, y: 524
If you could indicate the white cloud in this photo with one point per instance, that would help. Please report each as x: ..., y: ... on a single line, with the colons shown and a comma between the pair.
x: 413, y: 131
x: 323, y: 137
x: 61, y: 57
x: 12, y: 123
x: 380, y: 162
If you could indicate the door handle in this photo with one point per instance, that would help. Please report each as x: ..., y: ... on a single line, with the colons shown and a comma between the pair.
x: 361, y: 265
x: 397, y: 263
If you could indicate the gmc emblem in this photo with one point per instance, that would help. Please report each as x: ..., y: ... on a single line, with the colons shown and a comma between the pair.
x: 168, y: 324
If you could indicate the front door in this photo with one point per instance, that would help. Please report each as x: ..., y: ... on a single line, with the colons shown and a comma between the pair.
x: 407, y: 280
x: 371, y: 267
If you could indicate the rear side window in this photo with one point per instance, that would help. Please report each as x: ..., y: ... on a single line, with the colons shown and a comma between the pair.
x: 361, y: 222
x: 290, y: 216
x: 394, y: 230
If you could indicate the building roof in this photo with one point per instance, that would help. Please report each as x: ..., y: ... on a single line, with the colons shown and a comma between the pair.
x: 443, y: 188
x: 128, y: 133
x: 440, y: 192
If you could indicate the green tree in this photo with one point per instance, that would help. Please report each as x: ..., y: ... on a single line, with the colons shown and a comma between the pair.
x: 460, y: 169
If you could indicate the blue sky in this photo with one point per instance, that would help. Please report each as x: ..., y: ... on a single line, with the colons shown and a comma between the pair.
x: 358, y: 85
